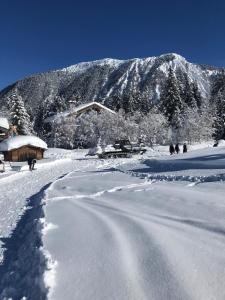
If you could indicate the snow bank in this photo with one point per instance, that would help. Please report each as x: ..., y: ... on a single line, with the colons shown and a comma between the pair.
x: 4, y: 123
x: 20, y: 141
x: 221, y: 143
x: 58, y: 154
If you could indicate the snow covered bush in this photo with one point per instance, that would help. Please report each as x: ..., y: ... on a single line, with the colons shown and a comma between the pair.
x: 153, y: 128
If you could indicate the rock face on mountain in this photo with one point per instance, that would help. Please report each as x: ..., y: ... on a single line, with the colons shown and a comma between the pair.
x: 109, y: 81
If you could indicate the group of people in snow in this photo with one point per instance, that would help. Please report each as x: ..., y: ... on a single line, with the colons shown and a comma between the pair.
x: 176, y: 149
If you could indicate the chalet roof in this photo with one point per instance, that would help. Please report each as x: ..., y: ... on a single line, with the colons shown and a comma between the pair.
x: 20, y: 141
x: 4, y: 123
x: 79, y: 110
x: 89, y: 105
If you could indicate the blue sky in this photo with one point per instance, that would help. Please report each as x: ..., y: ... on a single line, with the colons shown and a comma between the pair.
x: 42, y: 35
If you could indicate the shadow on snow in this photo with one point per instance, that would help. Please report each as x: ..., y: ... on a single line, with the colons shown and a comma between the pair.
x: 201, y: 163
x: 21, y: 273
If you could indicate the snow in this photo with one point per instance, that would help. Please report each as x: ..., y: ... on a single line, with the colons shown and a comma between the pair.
x: 221, y: 143
x: 4, y: 123
x: 157, y: 90
x: 20, y: 141
x: 147, y: 227
x: 83, y: 66
x: 162, y: 238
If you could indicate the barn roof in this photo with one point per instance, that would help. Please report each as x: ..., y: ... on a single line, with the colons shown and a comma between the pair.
x: 20, y: 141
x: 4, y: 123
x: 79, y: 110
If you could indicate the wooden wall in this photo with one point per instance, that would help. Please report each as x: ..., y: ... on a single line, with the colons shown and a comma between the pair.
x: 23, y: 153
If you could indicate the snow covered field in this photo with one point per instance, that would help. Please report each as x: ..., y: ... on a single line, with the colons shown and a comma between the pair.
x: 148, y: 227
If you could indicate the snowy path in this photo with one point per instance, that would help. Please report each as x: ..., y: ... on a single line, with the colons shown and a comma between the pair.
x: 19, y: 187
x: 117, y: 236
x: 16, y: 188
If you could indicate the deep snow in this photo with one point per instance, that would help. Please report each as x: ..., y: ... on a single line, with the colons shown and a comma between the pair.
x: 120, y: 233
x: 148, y: 227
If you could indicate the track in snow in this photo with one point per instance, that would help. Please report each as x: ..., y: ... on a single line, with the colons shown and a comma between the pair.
x: 120, y: 237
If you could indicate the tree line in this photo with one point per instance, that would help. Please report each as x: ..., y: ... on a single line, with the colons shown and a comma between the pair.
x: 181, y: 114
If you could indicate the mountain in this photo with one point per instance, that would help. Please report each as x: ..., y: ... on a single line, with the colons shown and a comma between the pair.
x: 109, y: 81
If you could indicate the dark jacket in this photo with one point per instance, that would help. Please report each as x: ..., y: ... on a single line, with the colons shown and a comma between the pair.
x: 172, y: 150
x: 177, y: 148
x: 184, y: 148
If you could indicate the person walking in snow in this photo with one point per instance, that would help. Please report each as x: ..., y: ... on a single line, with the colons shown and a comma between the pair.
x: 172, y: 150
x: 29, y: 162
x: 2, y: 166
x: 184, y: 148
x: 177, y: 148
x: 33, y: 163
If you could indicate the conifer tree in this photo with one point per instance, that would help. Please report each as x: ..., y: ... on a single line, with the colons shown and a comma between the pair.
x: 190, y: 96
x: 196, y: 94
x: 218, y: 85
x: 171, y: 104
x: 58, y: 105
x: 219, y: 122
x: 19, y: 116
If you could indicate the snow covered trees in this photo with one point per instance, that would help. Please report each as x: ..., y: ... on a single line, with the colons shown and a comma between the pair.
x: 89, y: 128
x: 219, y: 120
x: 218, y: 103
x: 171, y: 101
x: 183, y: 107
x: 153, y: 128
x: 18, y: 114
x: 51, y: 106
x: 108, y: 127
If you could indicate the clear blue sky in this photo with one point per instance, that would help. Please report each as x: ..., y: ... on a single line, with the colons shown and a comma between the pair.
x: 41, y: 35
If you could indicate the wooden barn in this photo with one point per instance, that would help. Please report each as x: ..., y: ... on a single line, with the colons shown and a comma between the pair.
x: 20, y: 148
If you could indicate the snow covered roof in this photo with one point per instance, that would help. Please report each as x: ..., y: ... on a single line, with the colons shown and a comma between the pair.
x: 80, y: 109
x: 90, y: 105
x: 4, y: 123
x: 20, y: 141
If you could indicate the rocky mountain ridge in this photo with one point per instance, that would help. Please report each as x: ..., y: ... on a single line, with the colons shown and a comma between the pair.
x: 109, y: 81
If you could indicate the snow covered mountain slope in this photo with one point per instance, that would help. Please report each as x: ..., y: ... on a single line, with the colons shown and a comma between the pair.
x: 108, y: 81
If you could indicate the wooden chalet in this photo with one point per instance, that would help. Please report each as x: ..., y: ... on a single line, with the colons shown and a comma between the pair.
x: 20, y: 148
x: 88, y: 107
x: 77, y: 111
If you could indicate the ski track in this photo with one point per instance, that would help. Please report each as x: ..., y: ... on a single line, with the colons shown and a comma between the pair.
x: 165, y: 243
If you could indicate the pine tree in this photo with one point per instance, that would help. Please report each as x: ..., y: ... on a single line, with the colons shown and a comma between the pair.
x: 218, y: 85
x: 145, y: 104
x: 19, y: 116
x: 134, y: 101
x: 190, y: 96
x: 219, y: 122
x: 171, y: 104
x: 196, y: 94
x: 58, y: 105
